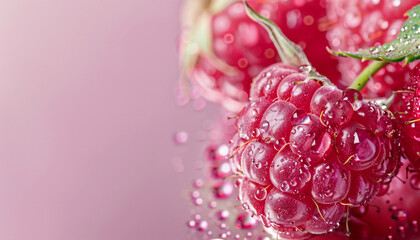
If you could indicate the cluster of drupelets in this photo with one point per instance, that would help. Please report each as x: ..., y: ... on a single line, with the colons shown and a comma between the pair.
x: 308, y: 151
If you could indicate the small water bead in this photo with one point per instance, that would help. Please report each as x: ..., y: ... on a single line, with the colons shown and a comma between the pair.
x: 396, y: 3
x: 221, y: 170
x: 400, y: 215
x: 415, y: 181
x: 212, y: 204
x: 195, y: 194
x: 180, y: 137
x: 198, y: 202
x: 223, y: 214
x: 415, y: 225
x: 392, y: 208
x: 245, y: 221
x: 261, y: 194
x: 223, y: 189
x: 401, y: 231
x: 198, y: 183
x: 242, y: 63
x: 191, y: 224
x: 202, y: 226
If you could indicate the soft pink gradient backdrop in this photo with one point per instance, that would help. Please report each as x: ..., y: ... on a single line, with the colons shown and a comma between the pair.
x: 87, y: 113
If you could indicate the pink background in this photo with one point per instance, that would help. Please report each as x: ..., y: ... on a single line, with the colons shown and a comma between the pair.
x: 87, y: 115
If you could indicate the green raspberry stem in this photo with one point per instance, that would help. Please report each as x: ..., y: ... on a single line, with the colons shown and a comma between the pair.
x: 367, y: 74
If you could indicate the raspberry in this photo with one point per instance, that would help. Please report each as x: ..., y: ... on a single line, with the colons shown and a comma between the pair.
x: 307, y: 151
x: 406, y: 108
x: 239, y: 48
x: 363, y: 24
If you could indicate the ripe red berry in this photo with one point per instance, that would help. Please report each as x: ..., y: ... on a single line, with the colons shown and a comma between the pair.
x: 304, y: 159
x: 236, y: 48
x: 362, y: 24
x: 406, y: 108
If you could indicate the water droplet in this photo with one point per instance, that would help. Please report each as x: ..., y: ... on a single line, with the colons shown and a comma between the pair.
x: 284, y: 186
x: 223, y: 214
x: 265, y: 126
x: 202, y: 226
x: 245, y: 221
x: 415, y: 181
x: 198, y: 202
x: 180, y: 137
x: 223, y: 189
x: 396, y: 3
x: 191, y: 223
x: 260, y: 194
x: 195, y: 194
x: 228, y: 38
x: 400, y: 215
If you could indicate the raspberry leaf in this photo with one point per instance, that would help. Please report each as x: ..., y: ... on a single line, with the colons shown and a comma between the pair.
x: 405, y: 48
x: 289, y: 52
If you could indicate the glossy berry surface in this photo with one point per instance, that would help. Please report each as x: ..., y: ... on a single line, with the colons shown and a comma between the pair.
x: 363, y: 24
x: 304, y: 160
x: 239, y: 48
x: 406, y: 108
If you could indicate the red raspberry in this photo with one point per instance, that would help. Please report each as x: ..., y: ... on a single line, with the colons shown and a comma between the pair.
x: 406, y: 108
x: 240, y: 48
x: 362, y: 24
x: 307, y: 151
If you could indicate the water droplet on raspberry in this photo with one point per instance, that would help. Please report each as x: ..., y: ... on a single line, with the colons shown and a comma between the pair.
x: 260, y: 194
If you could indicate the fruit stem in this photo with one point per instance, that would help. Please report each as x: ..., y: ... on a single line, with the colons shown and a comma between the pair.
x: 367, y: 74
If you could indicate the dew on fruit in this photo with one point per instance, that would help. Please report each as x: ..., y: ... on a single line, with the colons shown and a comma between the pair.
x: 415, y: 181
x: 260, y: 194
x: 223, y: 214
x: 198, y: 183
